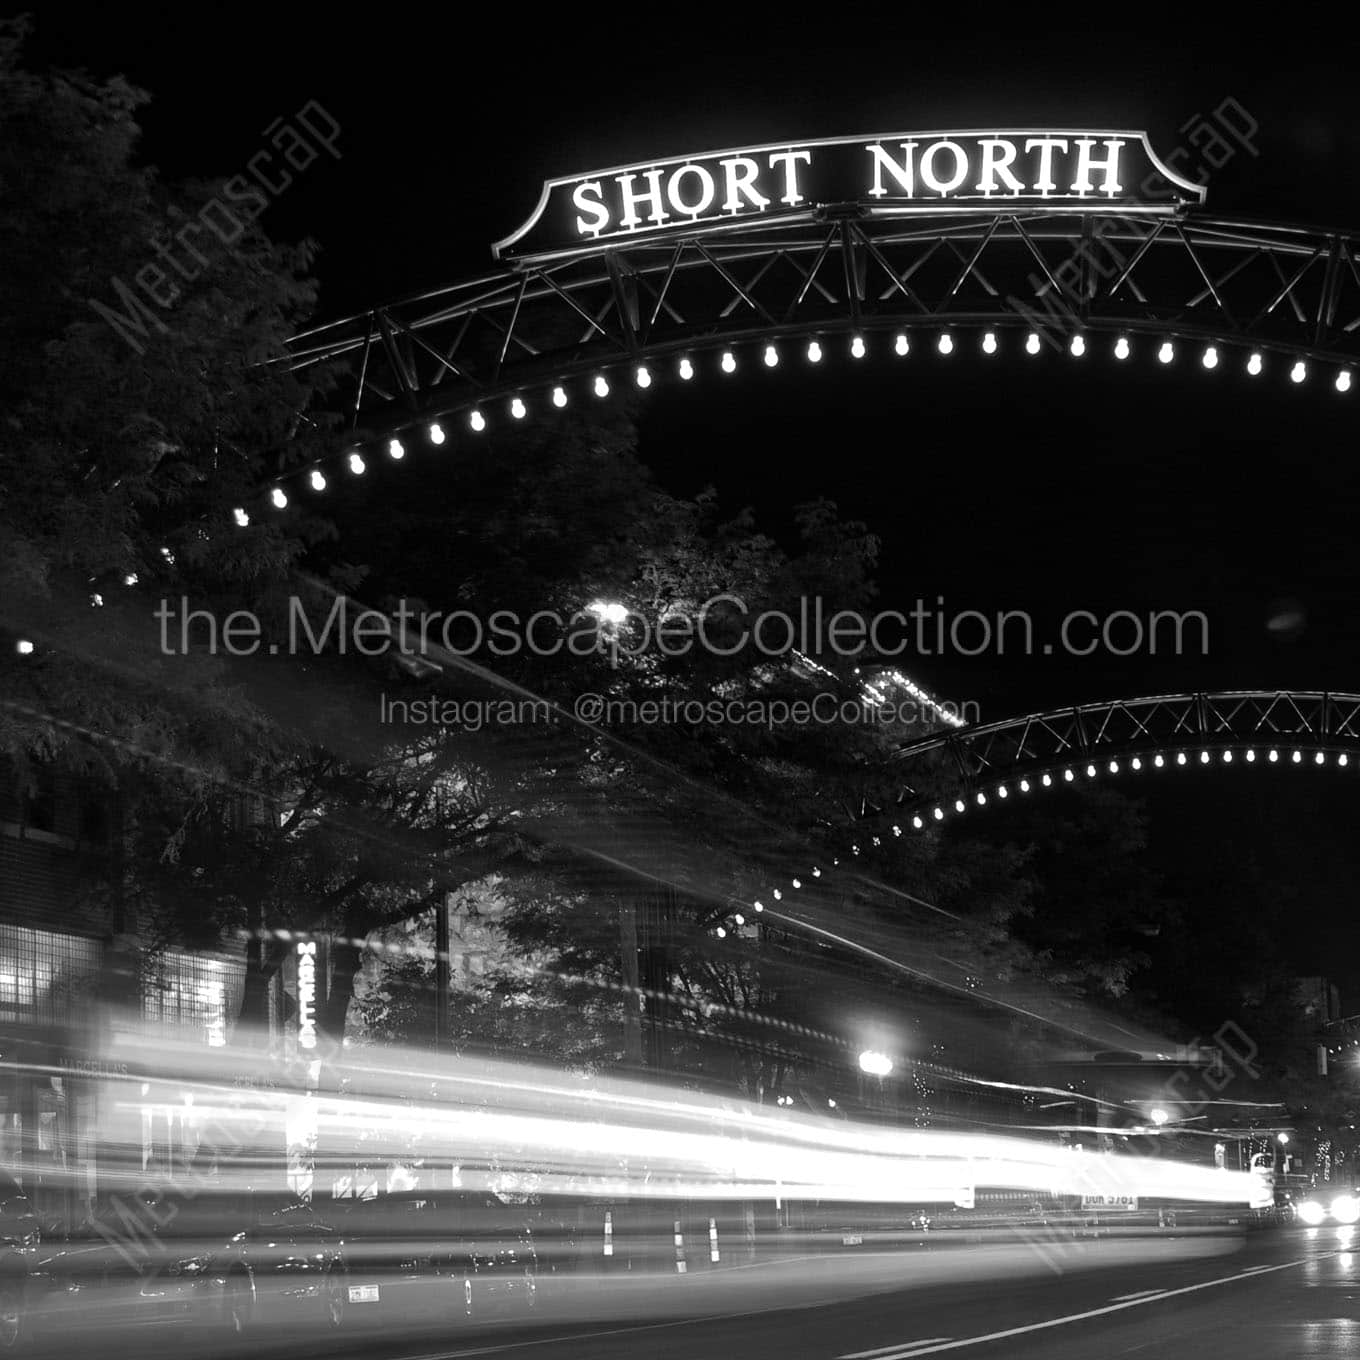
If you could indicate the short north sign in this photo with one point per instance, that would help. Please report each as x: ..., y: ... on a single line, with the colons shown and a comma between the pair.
x: 901, y: 173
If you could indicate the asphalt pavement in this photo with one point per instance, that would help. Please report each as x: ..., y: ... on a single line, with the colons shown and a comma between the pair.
x: 1267, y: 1295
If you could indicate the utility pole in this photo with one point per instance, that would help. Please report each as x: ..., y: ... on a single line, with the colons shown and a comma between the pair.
x: 632, y: 997
x: 441, y: 976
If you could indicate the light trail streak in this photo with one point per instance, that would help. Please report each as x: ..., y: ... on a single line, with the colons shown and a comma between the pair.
x: 566, y: 1135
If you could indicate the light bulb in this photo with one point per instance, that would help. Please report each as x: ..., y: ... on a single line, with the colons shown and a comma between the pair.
x: 1255, y: 364
x: 477, y: 420
x: 643, y: 377
x: 989, y: 343
x: 686, y: 370
x: 814, y: 352
x: 1121, y: 348
x: 1299, y: 372
x: 396, y: 450
x: 1210, y: 359
x: 276, y: 495
x: 1078, y: 346
x: 517, y: 408
x: 729, y: 361
x: 902, y: 345
x: 436, y: 433
x: 559, y: 397
x: 771, y: 357
x: 1047, y: 781
x: 601, y: 385
x: 242, y: 519
x: 1167, y: 352
x: 318, y: 481
x: 945, y: 344
x: 1032, y: 343
x: 1159, y: 761
x: 857, y: 347
x: 24, y: 647
x: 1343, y: 380
x: 356, y: 464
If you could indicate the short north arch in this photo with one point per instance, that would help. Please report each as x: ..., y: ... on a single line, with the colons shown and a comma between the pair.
x: 969, y: 244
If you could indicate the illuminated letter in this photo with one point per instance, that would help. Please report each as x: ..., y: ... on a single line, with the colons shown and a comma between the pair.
x: 1086, y: 163
x: 789, y: 160
x: 706, y: 192
x: 904, y: 174
x: 581, y: 197
x: 741, y: 183
x: 997, y: 158
x: 651, y: 195
x: 928, y: 176
x: 1045, y: 183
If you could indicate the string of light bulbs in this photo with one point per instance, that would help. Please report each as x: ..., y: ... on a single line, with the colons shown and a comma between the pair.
x: 598, y: 387
x: 1061, y: 775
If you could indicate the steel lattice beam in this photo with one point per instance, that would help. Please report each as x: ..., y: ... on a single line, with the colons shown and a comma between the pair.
x: 1312, y: 727
x: 1270, y: 286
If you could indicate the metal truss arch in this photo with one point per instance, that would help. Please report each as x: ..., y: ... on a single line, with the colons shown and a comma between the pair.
x: 993, y: 761
x: 540, y: 323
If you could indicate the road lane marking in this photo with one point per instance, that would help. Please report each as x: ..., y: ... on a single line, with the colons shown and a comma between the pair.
x: 497, y: 1348
x: 1141, y: 1294
x: 896, y: 1348
x: 914, y: 1348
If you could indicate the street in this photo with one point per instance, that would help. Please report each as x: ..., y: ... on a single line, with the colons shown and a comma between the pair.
x: 1269, y: 1295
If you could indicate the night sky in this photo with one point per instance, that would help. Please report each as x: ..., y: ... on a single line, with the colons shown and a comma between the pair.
x: 1038, y: 486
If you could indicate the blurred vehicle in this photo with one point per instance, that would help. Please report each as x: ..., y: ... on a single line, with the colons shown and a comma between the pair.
x: 141, y: 1260
x: 287, y: 1269
x: 462, y: 1254
x: 19, y: 1243
x: 1316, y: 1210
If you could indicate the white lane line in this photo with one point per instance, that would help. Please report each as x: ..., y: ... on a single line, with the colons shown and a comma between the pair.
x: 1141, y: 1294
x: 895, y: 1349
x: 914, y: 1348
x: 561, y: 1339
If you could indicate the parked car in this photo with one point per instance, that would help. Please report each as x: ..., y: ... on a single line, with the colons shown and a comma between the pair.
x: 458, y: 1254
x: 19, y: 1243
x: 287, y: 1269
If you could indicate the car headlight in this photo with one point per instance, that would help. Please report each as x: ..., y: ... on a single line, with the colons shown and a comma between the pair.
x: 1346, y: 1209
x: 1312, y: 1213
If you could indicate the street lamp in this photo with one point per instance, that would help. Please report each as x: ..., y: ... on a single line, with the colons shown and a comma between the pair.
x: 1284, y: 1139
x: 875, y: 1064
x: 1159, y: 1116
x: 609, y: 611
